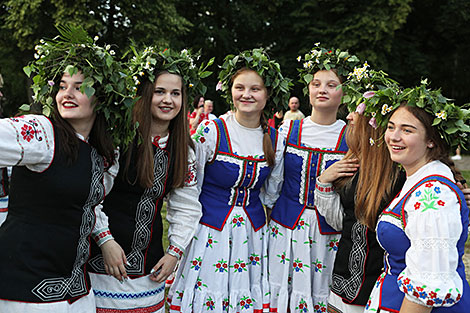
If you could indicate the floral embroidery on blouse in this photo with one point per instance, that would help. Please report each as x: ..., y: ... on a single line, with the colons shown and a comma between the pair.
x: 202, y: 130
x: 430, y: 296
x: 29, y: 130
x: 428, y: 198
x: 191, y: 175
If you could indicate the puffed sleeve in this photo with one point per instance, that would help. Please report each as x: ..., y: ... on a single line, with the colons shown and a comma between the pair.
x: 205, y: 139
x: 27, y: 140
x: 183, y: 211
x: 101, y: 232
x: 328, y: 204
x: 273, y: 185
x: 433, y: 227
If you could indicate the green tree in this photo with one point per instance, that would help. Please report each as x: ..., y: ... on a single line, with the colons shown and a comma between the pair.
x: 115, y: 22
x: 434, y: 44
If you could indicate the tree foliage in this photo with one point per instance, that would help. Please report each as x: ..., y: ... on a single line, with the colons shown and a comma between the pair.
x: 117, y: 22
x: 410, y: 39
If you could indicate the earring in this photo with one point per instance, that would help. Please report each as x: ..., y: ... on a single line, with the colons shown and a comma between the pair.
x: 431, y: 145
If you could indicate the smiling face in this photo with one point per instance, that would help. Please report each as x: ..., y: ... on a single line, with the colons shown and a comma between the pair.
x: 249, y: 93
x: 75, y: 106
x: 407, y: 141
x: 167, y: 99
x: 325, y: 92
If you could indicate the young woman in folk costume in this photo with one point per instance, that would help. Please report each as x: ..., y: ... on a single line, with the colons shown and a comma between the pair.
x: 302, y: 247
x: 57, y: 179
x: 159, y: 163
x: 357, y: 197
x: 353, y: 209
x: 225, y: 269
x: 424, y: 229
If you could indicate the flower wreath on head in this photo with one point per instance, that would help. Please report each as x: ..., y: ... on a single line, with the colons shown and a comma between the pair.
x: 73, y: 51
x: 371, y: 93
x: 452, y: 121
x: 320, y: 58
x: 258, y: 61
x: 146, y: 63
x: 378, y: 97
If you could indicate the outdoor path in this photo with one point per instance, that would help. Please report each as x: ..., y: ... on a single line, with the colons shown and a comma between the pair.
x: 464, y: 164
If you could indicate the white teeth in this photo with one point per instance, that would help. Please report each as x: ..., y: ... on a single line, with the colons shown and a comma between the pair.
x: 398, y: 148
x: 166, y: 109
x: 69, y: 105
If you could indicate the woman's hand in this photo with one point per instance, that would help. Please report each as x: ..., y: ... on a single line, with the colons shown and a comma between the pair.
x: 465, y: 191
x: 343, y: 168
x: 165, y: 266
x: 114, y: 259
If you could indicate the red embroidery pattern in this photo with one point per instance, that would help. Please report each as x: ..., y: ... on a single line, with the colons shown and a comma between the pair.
x: 191, y: 178
x: 27, y: 132
x: 102, y: 235
x: 324, y: 189
x: 174, y: 249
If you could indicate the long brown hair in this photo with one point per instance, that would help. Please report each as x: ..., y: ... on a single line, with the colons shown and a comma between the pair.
x: 178, y: 143
x: 378, y: 173
x: 268, y: 149
x: 99, y: 137
x: 440, y: 150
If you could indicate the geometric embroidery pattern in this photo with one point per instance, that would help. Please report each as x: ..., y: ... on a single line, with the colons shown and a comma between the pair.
x: 55, y: 289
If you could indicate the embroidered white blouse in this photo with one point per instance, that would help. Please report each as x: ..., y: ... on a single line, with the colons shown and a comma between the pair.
x: 433, y: 226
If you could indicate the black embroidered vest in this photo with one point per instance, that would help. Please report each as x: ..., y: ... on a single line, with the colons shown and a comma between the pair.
x: 45, y: 240
x: 135, y: 215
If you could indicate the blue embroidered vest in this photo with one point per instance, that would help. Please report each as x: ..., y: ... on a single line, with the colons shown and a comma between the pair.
x: 396, y: 243
x: 231, y: 180
x: 301, y: 167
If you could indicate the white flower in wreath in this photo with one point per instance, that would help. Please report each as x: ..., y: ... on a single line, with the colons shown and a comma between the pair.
x: 386, y: 109
x: 442, y: 115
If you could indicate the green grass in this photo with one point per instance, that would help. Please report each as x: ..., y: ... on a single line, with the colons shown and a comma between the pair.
x: 466, y: 174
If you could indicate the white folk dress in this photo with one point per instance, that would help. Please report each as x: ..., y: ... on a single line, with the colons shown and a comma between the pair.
x: 29, y: 141
x: 139, y: 293
x: 302, y: 247
x: 225, y: 269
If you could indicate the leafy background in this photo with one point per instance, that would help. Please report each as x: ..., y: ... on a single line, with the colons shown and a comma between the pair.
x: 410, y: 39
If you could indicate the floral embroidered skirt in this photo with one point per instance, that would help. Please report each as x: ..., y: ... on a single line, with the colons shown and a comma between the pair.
x: 223, y: 271
x: 300, y: 265
x: 140, y: 295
